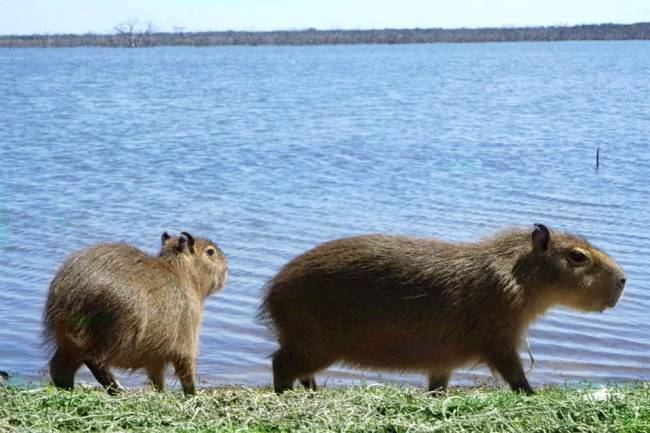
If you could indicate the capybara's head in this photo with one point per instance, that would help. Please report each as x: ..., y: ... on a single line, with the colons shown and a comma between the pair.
x: 578, y: 274
x: 202, y: 255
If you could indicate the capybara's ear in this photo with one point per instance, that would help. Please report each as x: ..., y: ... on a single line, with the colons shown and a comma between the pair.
x: 181, y: 244
x: 165, y: 238
x: 190, y: 240
x: 541, y: 238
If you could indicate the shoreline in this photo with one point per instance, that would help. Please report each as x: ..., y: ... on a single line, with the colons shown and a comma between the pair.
x: 358, y: 408
x: 137, y: 381
x: 144, y: 37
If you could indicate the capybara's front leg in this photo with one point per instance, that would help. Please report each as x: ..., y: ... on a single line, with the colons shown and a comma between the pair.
x: 156, y: 372
x: 185, y: 372
x: 105, y: 377
x: 63, y: 367
x: 438, y: 381
x: 508, y: 364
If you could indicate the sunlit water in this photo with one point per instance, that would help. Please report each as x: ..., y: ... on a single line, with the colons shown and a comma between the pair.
x: 271, y: 150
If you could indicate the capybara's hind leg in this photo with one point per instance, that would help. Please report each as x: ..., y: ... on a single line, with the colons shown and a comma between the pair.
x: 283, y: 378
x: 438, y: 381
x: 105, y: 377
x: 63, y: 367
x: 156, y: 372
x: 309, y: 382
x: 185, y: 372
x: 290, y: 364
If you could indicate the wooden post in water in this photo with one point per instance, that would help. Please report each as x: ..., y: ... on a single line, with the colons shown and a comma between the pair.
x: 597, y: 158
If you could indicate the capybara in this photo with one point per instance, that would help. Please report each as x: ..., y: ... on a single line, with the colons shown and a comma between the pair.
x: 420, y: 304
x: 113, y: 305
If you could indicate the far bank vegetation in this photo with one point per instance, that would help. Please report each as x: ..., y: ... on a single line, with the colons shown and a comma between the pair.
x: 133, y: 33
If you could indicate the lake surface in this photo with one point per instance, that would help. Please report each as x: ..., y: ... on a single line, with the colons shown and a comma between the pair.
x: 272, y: 150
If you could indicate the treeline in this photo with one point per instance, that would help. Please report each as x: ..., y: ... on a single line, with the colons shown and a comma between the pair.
x: 132, y: 36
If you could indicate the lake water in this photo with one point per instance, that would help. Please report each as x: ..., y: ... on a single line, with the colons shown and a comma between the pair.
x: 271, y: 150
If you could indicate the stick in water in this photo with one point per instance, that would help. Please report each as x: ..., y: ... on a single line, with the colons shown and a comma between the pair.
x: 530, y: 354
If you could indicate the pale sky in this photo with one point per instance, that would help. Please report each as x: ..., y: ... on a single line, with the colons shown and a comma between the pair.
x: 80, y: 16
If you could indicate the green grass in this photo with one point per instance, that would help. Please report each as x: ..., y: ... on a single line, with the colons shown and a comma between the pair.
x: 348, y: 409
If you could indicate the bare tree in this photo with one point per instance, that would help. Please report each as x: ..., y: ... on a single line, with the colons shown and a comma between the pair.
x: 127, y: 30
x: 147, y: 34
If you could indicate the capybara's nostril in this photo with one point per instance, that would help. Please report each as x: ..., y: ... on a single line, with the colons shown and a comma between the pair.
x: 623, y: 281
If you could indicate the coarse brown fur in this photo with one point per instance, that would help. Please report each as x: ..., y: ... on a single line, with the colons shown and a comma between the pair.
x: 421, y: 304
x: 113, y: 305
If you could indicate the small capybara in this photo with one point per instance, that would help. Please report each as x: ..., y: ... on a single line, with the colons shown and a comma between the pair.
x: 419, y: 304
x: 113, y: 305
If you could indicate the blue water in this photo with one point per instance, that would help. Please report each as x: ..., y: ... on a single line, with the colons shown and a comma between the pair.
x: 271, y: 150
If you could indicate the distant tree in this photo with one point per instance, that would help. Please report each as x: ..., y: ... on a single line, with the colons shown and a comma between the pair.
x: 147, y: 34
x: 179, y: 35
x: 127, y: 30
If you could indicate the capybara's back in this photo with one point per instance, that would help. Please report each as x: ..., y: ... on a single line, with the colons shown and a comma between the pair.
x: 95, y: 304
x: 114, y: 305
x: 419, y: 304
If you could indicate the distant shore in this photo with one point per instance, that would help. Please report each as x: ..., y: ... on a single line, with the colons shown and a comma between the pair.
x: 133, y: 36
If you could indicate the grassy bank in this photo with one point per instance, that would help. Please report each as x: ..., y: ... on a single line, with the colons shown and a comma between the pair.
x: 351, y: 409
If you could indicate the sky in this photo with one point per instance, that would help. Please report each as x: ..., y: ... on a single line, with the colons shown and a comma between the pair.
x: 81, y: 16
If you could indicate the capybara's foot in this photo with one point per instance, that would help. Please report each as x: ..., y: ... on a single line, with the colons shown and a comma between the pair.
x: 290, y: 364
x: 105, y: 377
x: 523, y: 387
x: 309, y: 383
x: 282, y: 384
x: 508, y: 364
x: 63, y: 368
x: 438, y: 383
x: 115, y: 389
x: 283, y: 378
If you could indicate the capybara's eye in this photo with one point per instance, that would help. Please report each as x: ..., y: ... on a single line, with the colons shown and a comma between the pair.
x: 577, y: 256
x: 210, y: 251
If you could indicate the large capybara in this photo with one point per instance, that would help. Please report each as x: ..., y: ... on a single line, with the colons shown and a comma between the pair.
x: 113, y: 305
x: 419, y: 304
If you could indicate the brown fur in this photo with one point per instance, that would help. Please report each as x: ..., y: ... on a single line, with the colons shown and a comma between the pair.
x: 112, y: 305
x: 418, y: 304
